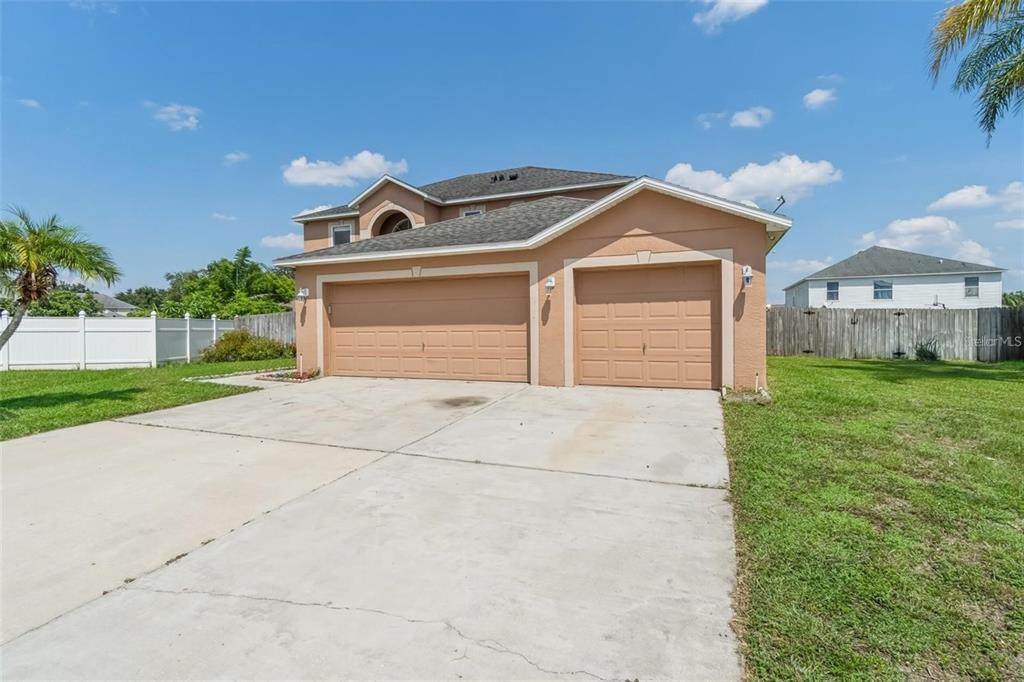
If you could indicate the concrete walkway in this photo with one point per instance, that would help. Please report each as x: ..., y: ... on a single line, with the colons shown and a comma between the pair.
x: 376, y: 529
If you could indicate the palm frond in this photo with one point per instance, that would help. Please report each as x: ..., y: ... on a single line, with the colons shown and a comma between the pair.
x: 1003, y: 89
x: 962, y: 23
x: 1003, y: 43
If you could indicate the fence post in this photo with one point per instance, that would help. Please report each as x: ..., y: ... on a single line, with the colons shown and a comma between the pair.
x: 152, y: 357
x: 213, y: 318
x: 5, y: 352
x: 81, y: 320
x: 188, y: 338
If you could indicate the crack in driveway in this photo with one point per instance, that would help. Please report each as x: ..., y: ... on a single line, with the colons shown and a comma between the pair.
x: 492, y: 645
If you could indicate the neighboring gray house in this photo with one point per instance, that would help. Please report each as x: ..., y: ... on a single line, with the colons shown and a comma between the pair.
x: 889, y: 278
x: 113, y: 307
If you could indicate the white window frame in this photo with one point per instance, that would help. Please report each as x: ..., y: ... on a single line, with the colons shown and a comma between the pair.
x: 975, y: 288
x: 466, y: 211
x: 828, y: 294
x: 886, y: 288
x: 332, y: 227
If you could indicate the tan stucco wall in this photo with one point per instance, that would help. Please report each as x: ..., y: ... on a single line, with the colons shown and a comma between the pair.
x: 315, y: 235
x: 648, y: 221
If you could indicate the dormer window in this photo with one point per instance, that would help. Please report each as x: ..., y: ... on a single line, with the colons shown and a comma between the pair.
x: 341, y: 233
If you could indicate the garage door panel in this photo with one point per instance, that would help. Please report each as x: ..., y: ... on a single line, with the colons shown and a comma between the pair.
x: 697, y: 371
x: 664, y: 371
x: 514, y: 367
x: 595, y: 371
x: 455, y: 328
x: 627, y: 340
x: 630, y: 310
x: 597, y: 311
x: 462, y: 339
x: 699, y: 308
x: 515, y: 338
x: 653, y: 326
x: 627, y: 370
x: 663, y: 309
x: 663, y: 340
x: 596, y: 339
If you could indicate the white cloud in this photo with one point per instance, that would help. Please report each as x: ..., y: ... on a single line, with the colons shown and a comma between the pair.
x: 819, y: 98
x: 291, y: 240
x: 231, y: 158
x: 224, y: 216
x: 30, y: 103
x: 176, y: 116
x: 724, y: 11
x: 708, y: 119
x: 1011, y: 198
x: 314, y: 209
x: 346, y: 173
x: 973, y: 252
x: 935, y: 235
x: 830, y: 78
x: 788, y: 174
x: 93, y: 6
x: 1012, y: 224
x: 801, y: 266
x: 754, y: 117
x: 969, y: 196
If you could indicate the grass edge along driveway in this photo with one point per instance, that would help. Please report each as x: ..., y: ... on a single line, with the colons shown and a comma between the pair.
x: 32, y: 401
x: 879, y: 511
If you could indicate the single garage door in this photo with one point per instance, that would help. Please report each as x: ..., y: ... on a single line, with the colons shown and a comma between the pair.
x: 472, y: 328
x: 653, y: 326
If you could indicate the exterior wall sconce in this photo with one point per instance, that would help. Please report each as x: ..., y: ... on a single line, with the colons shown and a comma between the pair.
x: 302, y: 294
x: 748, y: 276
x: 549, y: 285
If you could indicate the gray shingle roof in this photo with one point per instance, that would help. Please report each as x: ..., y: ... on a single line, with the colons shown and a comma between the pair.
x: 333, y: 210
x: 111, y: 303
x: 878, y: 261
x: 511, y: 224
x: 526, y: 179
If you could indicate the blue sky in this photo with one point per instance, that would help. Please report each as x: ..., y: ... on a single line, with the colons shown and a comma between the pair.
x: 122, y: 117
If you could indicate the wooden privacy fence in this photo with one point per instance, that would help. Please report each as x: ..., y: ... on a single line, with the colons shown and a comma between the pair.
x: 277, y: 326
x: 983, y: 334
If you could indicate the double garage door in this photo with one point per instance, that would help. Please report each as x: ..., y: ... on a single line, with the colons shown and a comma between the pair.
x: 472, y: 328
x: 636, y: 327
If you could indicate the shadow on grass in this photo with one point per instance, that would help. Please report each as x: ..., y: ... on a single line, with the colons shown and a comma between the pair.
x: 899, y: 371
x: 9, y: 405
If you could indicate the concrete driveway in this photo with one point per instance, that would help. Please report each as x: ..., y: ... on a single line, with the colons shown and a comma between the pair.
x: 361, y: 528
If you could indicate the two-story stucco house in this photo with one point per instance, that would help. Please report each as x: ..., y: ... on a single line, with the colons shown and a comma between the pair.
x: 538, y: 275
x: 889, y: 278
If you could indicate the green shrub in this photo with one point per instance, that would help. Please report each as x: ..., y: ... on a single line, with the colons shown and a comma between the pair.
x: 240, y: 344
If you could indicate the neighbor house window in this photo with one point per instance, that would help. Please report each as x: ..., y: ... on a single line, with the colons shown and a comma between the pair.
x: 467, y: 211
x: 341, y: 233
x: 831, y: 291
x: 883, y: 290
x: 971, y: 287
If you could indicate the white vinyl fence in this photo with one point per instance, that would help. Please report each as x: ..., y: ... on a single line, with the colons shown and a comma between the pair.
x: 106, y: 342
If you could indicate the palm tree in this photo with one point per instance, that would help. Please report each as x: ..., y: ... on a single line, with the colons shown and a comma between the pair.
x: 31, y: 253
x: 995, y: 65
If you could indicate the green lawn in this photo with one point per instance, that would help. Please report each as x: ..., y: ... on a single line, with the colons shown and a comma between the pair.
x: 880, y: 521
x: 41, y: 400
